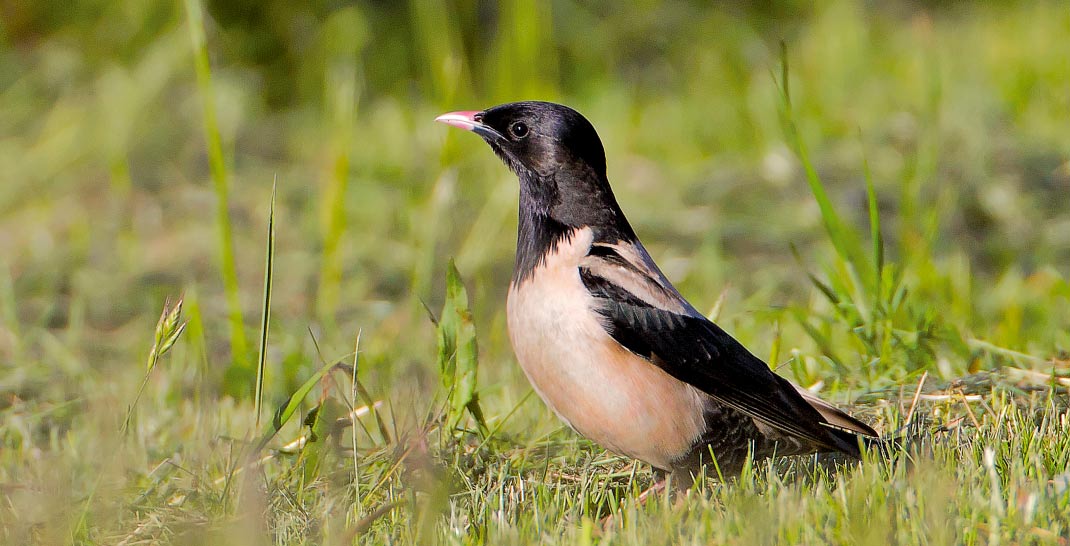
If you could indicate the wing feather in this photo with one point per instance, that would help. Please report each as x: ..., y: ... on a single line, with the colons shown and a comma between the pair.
x: 644, y: 313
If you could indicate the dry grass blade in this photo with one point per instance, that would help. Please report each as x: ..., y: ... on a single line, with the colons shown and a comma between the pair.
x: 914, y: 400
x: 366, y: 522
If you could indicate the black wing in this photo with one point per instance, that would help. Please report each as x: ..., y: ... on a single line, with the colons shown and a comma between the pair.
x: 645, y: 314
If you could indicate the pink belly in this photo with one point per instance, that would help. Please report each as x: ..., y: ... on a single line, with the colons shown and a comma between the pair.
x: 603, y: 391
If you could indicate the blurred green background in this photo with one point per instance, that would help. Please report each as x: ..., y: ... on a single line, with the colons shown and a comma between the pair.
x: 108, y: 204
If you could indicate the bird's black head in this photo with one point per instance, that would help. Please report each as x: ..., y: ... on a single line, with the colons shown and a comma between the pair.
x: 559, y: 159
x: 543, y: 139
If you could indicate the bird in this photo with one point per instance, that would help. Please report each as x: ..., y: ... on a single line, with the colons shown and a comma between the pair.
x: 609, y: 344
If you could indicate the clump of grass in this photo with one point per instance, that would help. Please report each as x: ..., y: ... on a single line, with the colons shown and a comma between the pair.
x: 292, y: 404
x: 327, y: 418
x: 866, y: 291
x: 458, y: 355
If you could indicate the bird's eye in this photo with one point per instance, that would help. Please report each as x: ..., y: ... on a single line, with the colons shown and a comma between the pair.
x: 519, y: 129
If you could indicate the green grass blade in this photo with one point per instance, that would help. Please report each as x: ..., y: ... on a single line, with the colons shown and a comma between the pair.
x: 218, y: 169
x: 343, y: 81
x: 457, y: 351
x: 774, y: 349
x: 874, y: 229
x: 824, y: 288
x: 197, y: 341
x: 292, y: 404
x: 439, y: 45
x: 823, y: 342
x: 520, y: 65
x: 843, y: 239
x: 269, y: 266
x: 321, y: 422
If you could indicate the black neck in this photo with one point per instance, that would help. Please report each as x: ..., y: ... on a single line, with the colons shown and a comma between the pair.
x: 548, y: 215
x: 537, y: 231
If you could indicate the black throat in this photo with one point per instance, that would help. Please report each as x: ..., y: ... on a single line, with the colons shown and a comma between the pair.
x: 551, y: 210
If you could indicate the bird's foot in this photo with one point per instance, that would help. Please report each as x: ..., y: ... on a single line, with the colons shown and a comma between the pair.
x: 609, y: 521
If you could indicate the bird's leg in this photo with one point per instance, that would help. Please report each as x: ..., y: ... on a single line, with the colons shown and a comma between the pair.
x: 661, y: 481
x: 659, y: 486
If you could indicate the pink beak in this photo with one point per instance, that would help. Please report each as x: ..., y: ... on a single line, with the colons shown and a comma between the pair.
x: 465, y: 120
x: 470, y: 120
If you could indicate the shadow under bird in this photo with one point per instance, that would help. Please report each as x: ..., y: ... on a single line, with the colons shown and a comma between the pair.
x: 609, y: 343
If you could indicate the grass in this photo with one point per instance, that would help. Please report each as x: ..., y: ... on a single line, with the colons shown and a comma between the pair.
x: 218, y: 168
x: 265, y: 310
x: 892, y: 232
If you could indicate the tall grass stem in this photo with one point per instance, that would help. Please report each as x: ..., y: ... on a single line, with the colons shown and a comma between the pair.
x: 265, y: 316
x: 217, y: 166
